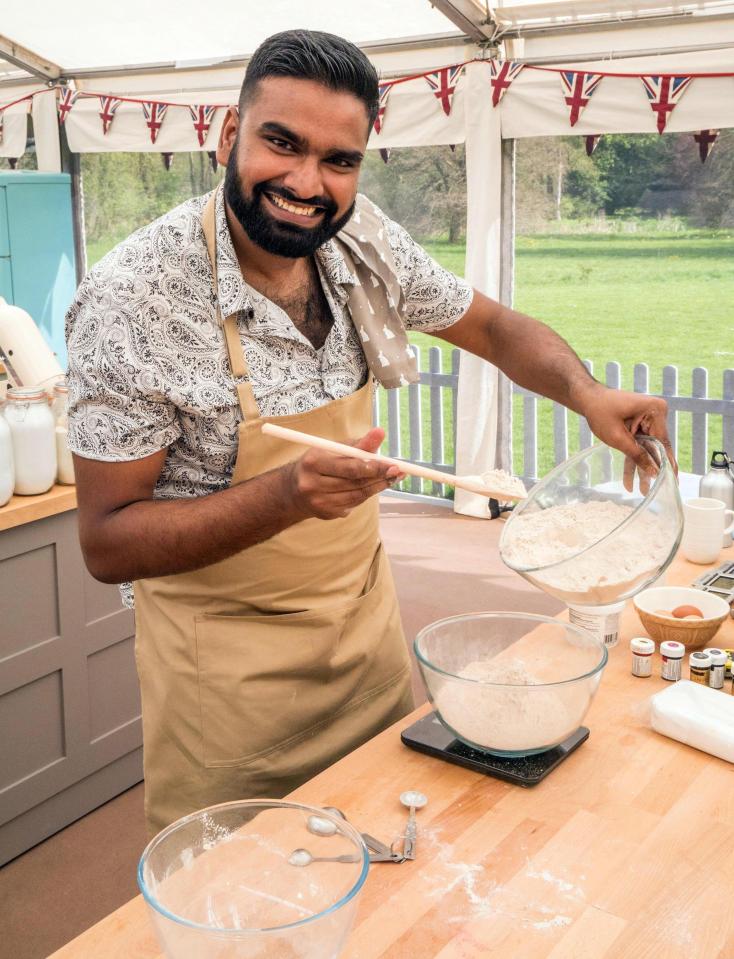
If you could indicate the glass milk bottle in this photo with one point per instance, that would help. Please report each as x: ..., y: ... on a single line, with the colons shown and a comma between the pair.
x: 65, y: 464
x: 32, y: 429
x: 7, y: 471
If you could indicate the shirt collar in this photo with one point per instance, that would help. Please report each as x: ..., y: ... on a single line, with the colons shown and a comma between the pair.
x: 235, y: 295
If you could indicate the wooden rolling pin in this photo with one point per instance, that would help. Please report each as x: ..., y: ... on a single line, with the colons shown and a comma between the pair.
x: 496, y: 484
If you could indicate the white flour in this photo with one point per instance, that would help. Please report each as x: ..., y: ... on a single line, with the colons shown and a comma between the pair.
x: 548, y: 536
x: 514, y: 717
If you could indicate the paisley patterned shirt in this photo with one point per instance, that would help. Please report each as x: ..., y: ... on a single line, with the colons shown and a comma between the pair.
x: 148, y: 365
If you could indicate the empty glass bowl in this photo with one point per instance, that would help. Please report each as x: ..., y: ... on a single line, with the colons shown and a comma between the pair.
x: 224, y: 883
x: 512, y: 684
x: 602, y: 543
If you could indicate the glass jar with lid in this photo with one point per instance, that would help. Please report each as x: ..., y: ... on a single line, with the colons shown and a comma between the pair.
x: 32, y: 429
x: 7, y: 470
x: 65, y: 464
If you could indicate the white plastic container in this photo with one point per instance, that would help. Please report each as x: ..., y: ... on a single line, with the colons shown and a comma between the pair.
x: 33, y: 433
x: 65, y: 463
x: 601, y: 621
x: 7, y: 469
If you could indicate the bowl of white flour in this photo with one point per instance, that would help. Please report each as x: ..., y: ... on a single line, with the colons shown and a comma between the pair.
x: 590, y: 533
x: 512, y: 684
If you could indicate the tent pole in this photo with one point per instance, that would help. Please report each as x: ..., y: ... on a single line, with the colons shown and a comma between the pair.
x: 71, y: 164
x: 506, y: 294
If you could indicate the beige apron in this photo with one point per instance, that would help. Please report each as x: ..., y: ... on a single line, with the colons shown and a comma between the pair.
x: 261, y: 670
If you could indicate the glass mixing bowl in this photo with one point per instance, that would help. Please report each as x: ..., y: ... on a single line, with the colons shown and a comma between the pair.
x: 512, y: 684
x: 232, y: 882
x: 624, y: 543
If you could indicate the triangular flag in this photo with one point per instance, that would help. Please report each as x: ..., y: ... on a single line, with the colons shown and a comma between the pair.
x: 155, y: 114
x: 502, y: 73
x: 705, y: 140
x: 67, y: 99
x: 202, y: 117
x: 212, y: 154
x: 592, y: 142
x: 167, y: 160
x: 578, y: 89
x: 107, y: 110
x: 385, y: 154
x: 1, y: 126
x: 384, y: 89
x: 443, y: 83
x: 664, y: 93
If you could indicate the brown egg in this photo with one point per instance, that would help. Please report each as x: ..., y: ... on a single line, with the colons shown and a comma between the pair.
x: 683, y: 612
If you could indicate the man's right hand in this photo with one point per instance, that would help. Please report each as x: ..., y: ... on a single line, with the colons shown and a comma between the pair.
x: 329, y: 486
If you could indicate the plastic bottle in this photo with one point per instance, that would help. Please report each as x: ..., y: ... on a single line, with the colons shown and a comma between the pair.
x: 718, y: 663
x: 642, y: 650
x: 601, y: 621
x: 700, y: 667
x: 719, y: 484
x: 671, y: 654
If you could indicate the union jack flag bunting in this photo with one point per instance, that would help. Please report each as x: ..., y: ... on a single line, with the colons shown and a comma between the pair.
x: 67, y: 99
x: 578, y: 89
x: 155, y: 114
x: 705, y: 140
x: 384, y: 89
x: 592, y: 142
x: 502, y: 73
x: 1, y: 127
x: 202, y: 117
x: 107, y: 110
x: 443, y: 83
x: 385, y: 154
x: 664, y: 93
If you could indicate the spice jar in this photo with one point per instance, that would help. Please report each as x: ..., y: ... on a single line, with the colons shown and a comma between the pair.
x: 32, y: 428
x: 642, y: 650
x: 672, y: 660
x: 700, y: 667
x: 718, y: 664
x: 7, y: 470
x: 65, y: 464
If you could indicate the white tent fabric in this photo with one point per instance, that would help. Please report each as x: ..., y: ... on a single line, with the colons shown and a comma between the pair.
x: 555, y: 32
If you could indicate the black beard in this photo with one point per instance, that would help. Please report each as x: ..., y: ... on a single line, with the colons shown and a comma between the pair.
x: 275, y: 236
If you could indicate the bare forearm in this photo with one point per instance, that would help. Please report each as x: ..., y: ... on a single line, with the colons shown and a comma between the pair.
x: 158, y: 537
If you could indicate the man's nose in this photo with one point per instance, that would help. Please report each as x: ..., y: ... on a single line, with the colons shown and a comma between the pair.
x: 304, y: 178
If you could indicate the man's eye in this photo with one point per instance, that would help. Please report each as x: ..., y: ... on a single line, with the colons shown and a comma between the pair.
x: 281, y: 144
x: 343, y: 164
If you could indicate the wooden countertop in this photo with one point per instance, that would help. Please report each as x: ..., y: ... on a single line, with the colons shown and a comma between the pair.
x: 625, y: 850
x: 26, y: 509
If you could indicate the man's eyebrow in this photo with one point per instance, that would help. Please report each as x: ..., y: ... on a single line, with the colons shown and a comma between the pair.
x: 277, y: 129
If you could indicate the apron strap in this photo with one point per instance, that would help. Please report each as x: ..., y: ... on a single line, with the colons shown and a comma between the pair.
x: 245, y: 395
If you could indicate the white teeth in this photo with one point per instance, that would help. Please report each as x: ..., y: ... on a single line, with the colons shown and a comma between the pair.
x: 301, y: 210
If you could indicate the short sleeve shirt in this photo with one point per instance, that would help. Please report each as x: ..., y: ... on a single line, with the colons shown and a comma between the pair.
x: 148, y: 365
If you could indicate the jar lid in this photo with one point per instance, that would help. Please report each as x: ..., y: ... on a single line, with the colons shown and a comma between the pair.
x: 26, y: 394
x: 671, y: 649
x: 60, y: 388
x: 642, y: 645
x: 700, y: 659
x: 718, y: 656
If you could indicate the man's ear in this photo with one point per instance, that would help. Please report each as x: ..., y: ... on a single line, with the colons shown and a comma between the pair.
x: 228, y: 135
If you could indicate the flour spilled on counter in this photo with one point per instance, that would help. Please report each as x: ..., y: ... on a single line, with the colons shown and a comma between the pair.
x: 486, y: 898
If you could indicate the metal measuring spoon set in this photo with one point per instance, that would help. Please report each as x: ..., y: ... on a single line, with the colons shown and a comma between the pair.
x: 378, y: 851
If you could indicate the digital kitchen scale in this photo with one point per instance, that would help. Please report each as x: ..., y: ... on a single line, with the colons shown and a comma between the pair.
x: 430, y: 736
x: 719, y: 581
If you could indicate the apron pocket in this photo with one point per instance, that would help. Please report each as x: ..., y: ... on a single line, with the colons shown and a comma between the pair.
x: 269, y: 680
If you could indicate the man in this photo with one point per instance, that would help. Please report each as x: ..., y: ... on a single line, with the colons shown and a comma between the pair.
x: 268, y: 634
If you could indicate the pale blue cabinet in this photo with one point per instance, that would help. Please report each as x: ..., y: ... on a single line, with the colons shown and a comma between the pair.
x: 37, y: 265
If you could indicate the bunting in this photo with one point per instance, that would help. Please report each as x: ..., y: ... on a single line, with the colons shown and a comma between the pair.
x: 107, y: 110
x: 592, y: 142
x: 202, y: 117
x: 578, y: 89
x: 385, y: 154
x: 705, y: 140
x: 664, y: 93
x: 384, y: 90
x: 67, y: 99
x: 212, y: 154
x: 155, y: 114
x: 502, y: 73
x: 1, y: 127
x: 443, y: 83
x: 167, y: 160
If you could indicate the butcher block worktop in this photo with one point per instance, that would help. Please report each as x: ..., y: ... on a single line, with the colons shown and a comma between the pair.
x: 625, y: 850
x: 26, y: 509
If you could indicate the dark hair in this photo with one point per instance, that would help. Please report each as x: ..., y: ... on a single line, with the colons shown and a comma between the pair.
x: 313, y: 55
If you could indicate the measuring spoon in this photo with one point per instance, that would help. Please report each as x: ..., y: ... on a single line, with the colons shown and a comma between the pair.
x: 412, y: 799
x: 302, y: 857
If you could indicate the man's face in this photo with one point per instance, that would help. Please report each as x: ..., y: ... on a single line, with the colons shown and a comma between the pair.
x: 292, y: 170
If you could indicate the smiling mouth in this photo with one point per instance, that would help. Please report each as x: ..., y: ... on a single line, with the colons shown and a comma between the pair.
x: 299, y: 209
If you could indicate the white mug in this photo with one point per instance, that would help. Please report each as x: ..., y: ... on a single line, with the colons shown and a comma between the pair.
x: 703, y: 528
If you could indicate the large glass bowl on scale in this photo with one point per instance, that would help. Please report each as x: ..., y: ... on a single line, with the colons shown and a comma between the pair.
x: 256, y: 879
x: 511, y: 684
x: 604, y: 542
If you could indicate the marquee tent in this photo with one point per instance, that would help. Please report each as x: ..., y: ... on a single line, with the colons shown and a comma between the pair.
x: 158, y: 77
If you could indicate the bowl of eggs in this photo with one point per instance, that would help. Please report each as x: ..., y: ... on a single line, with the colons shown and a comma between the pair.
x: 681, y: 614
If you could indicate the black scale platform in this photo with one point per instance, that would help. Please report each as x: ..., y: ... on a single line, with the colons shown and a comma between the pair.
x: 429, y: 736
